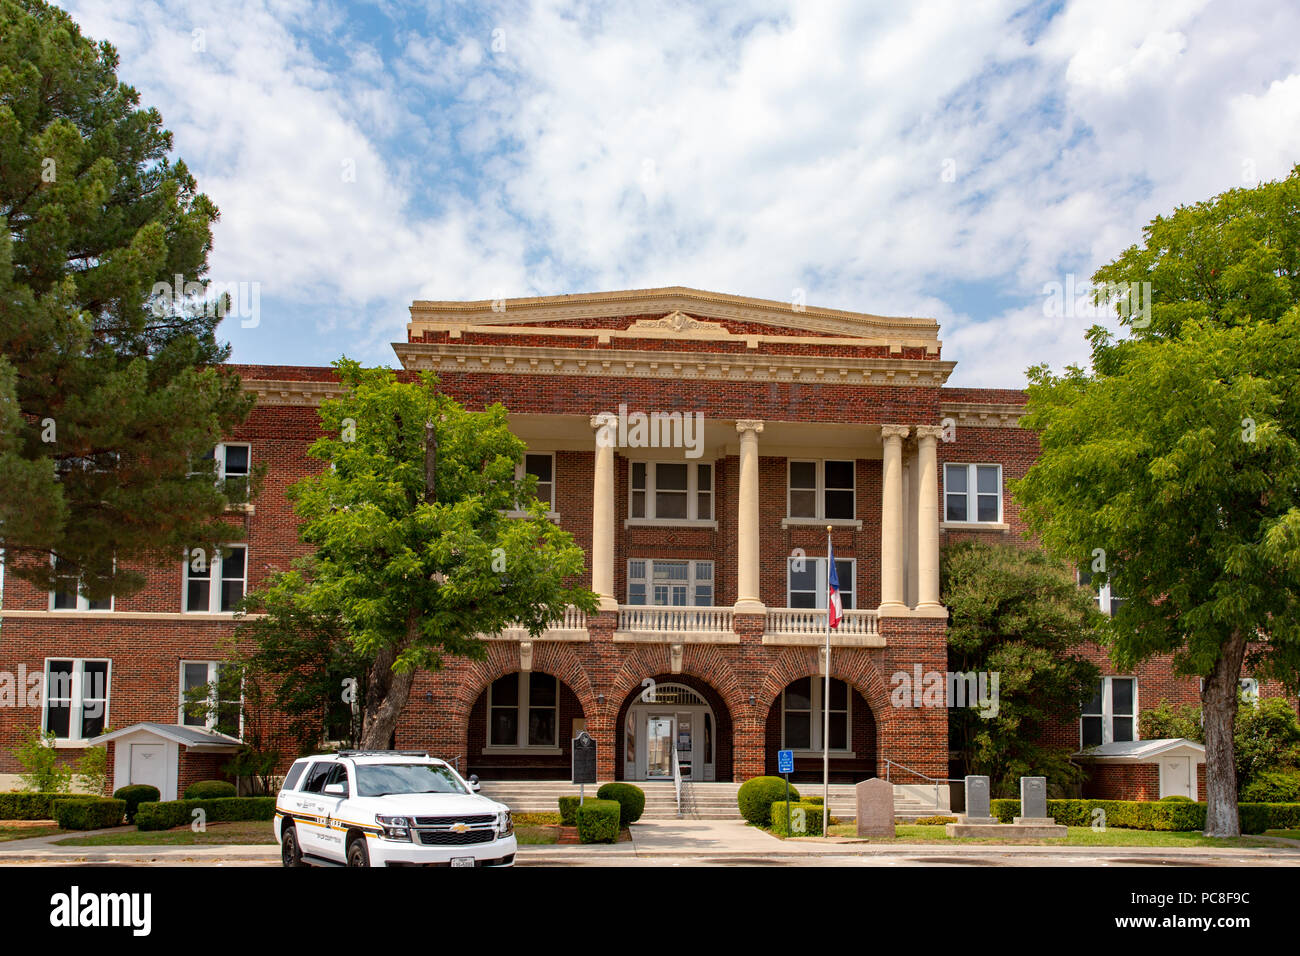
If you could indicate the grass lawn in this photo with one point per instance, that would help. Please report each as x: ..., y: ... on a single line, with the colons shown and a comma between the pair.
x: 12, y: 831
x: 242, y: 833
x: 1076, y: 836
x: 1288, y: 834
x: 537, y: 836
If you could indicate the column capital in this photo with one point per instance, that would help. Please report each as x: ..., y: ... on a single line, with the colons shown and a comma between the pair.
x: 752, y: 426
x: 931, y: 432
x: 895, y: 431
x: 603, y: 419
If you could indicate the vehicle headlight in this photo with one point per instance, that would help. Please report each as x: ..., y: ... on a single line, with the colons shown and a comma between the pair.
x: 505, y: 824
x: 395, y: 828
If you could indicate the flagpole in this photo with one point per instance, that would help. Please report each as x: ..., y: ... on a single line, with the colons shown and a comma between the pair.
x: 826, y: 699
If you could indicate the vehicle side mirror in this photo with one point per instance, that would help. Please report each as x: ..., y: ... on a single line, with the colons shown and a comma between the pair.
x: 336, y: 790
x: 473, y: 783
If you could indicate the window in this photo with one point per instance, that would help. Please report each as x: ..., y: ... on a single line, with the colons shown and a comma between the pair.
x: 1111, y: 714
x: 1107, y: 601
x: 227, y: 569
x: 806, y: 582
x: 972, y: 493
x: 822, y: 490
x: 208, y: 698
x: 670, y: 583
x: 67, y: 594
x: 671, y: 491
x: 523, y: 710
x: 322, y: 775
x: 541, y: 467
x: 802, y: 717
x: 76, y: 698
x: 232, y: 469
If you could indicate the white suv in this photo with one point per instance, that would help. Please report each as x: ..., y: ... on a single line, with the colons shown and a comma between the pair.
x: 388, y: 808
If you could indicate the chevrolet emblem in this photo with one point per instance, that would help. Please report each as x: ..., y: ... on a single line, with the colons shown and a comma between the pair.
x: 459, y: 827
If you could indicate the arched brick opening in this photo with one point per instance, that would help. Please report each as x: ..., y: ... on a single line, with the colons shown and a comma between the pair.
x: 858, y: 764
x: 723, y: 732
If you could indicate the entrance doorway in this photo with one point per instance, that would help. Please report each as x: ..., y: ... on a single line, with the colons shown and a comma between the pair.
x: 664, y: 719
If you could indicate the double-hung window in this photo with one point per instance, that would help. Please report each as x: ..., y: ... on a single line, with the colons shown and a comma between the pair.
x: 1108, y: 602
x: 822, y: 490
x: 523, y: 710
x: 671, y: 491
x: 215, y: 583
x: 972, y: 493
x: 663, y: 583
x: 67, y: 595
x: 1111, y: 714
x: 542, y: 467
x: 806, y: 582
x: 232, y: 468
x: 803, y: 717
x: 76, y: 698
x: 207, y: 700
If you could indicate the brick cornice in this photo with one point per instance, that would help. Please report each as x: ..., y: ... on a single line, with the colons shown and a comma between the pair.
x: 983, y: 414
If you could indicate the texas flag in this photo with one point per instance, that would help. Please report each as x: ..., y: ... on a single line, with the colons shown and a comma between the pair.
x: 833, y: 589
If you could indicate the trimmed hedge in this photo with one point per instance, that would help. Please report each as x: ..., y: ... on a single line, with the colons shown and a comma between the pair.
x: 134, y: 795
x: 1170, y: 815
x: 756, y: 796
x: 28, y: 806
x: 211, y: 790
x: 88, y: 813
x: 813, y: 813
x: 819, y: 800
x: 175, y: 813
x: 569, y: 811
x: 598, y: 821
x: 630, y: 799
x: 1273, y: 786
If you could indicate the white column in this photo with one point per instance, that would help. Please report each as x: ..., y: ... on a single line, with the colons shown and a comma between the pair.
x: 910, y: 511
x: 927, y: 517
x: 892, y: 525
x: 602, y: 511
x: 747, y: 546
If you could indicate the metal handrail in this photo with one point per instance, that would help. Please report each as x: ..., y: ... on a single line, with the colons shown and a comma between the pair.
x: 916, y: 773
x: 677, y: 781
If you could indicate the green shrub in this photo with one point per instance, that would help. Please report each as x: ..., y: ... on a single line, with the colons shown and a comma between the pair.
x: 1258, y: 817
x: 812, y: 819
x: 933, y: 821
x: 1179, y: 814
x: 43, y: 772
x: 27, y: 806
x: 134, y: 795
x: 1273, y: 786
x: 817, y: 800
x: 92, y: 770
x: 598, y: 821
x: 1175, y: 798
x: 631, y: 801
x: 88, y: 813
x: 175, y: 813
x: 569, y: 811
x: 756, y: 796
x: 211, y: 790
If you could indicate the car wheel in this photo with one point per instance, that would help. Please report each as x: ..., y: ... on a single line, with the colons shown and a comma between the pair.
x: 290, y: 851
x: 358, y: 854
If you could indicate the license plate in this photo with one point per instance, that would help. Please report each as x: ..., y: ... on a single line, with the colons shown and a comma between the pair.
x: 462, y: 861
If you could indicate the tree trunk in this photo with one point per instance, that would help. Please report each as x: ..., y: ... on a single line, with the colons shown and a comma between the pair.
x: 1219, y: 710
x: 386, y: 695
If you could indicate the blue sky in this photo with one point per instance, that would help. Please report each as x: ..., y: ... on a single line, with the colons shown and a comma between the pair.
x: 946, y: 158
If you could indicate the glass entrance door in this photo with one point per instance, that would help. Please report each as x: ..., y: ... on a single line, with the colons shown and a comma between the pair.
x: 659, y: 746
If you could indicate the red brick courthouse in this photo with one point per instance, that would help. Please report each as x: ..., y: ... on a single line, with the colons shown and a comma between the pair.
x: 697, y: 446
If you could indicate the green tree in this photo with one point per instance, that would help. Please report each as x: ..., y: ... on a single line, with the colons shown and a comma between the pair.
x: 1017, y: 614
x: 415, y: 555
x: 109, y: 389
x: 42, y: 770
x: 1173, y: 468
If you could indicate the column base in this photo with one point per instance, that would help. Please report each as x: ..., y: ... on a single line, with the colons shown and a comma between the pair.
x: 607, y: 604
x: 930, y: 610
x: 894, y: 609
x: 749, y: 607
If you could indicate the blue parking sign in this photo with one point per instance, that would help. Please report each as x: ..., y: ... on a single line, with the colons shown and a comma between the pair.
x: 785, y: 761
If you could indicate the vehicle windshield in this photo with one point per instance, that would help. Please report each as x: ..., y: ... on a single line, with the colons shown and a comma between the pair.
x: 379, y: 779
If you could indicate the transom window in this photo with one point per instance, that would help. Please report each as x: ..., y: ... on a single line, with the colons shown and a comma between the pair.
x: 541, y: 467
x: 76, y: 698
x: 671, y: 490
x: 523, y: 710
x: 1111, y: 714
x: 670, y: 583
x: 67, y: 594
x: 821, y: 489
x: 806, y: 582
x: 216, y: 583
x: 204, y: 698
x: 972, y: 493
x: 802, y: 716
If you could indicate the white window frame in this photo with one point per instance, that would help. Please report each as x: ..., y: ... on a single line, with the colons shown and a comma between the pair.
x: 214, y: 674
x: 219, y: 456
x: 1104, y: 595
x: 76, y: 698
x: 972, y: 493
x: 83, y: 603
x: 524, y: 705
x: 521, y: 469
x: 1107, y: 714
x: 693, y: 580
x: 693, y: 492
x: 819, y: 496
x: 817, y: 718
x: 820, y: 566
x: 216, y: 569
